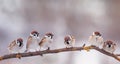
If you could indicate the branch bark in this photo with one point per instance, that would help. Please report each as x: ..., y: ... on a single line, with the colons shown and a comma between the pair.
x: 28, y: 54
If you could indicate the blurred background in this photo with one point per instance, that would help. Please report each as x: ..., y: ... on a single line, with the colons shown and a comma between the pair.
x: 77, y: 17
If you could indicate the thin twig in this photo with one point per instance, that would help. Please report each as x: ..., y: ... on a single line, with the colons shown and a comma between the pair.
x: 117, y: 54
x: 28, y: 54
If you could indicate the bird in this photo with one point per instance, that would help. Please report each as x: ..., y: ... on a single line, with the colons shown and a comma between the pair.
x: 69, y: 41
x: 46, y: 41
x: 16, y: 45
x: 109, y: 46
x: 33, y: 42
x: 96, y: 39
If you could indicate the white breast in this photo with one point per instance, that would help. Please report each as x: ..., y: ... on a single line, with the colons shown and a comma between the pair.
x: 34, y: 45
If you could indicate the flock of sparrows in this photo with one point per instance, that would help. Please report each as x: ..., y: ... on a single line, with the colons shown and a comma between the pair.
x: 35, y: 44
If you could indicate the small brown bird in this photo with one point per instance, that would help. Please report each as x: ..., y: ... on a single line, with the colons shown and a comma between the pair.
x: 32, y: 42
x: 96, y: 39
x: 69, y: 41
x: 15, y: 46
x: 46, y: 41
x: 109, y: 46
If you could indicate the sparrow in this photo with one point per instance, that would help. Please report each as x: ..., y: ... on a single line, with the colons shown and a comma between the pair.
x: 15, y: 46
x: 46, y: 41
x: 109, y: 46
x: 32, y: 42
x: 69, y: 41
x: 96, y: 39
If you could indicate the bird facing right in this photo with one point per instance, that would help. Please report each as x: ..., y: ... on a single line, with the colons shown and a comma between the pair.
x: 109, y: 46
x: 46, y: 41
x: 15, y: 46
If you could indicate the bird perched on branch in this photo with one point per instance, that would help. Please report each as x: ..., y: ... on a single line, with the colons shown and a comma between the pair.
x: 96, y: 39
x: 46, y: 41
x: 32, y: 42
x: 15, y: 46
x: 69, y: 41
x: 109, y: 46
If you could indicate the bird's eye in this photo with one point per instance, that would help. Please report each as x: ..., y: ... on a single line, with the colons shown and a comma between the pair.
x: 18, y: 42
x: 34, y: 34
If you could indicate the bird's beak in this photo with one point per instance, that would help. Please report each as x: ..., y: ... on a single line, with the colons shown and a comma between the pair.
x: 100, y: 35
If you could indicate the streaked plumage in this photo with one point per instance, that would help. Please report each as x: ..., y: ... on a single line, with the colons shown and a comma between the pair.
x: 32, y: 42
x: 96, y: 39
x: 15, y: 46
x: 69, y: 41
x: 46, y: 40
x: 109, y: 46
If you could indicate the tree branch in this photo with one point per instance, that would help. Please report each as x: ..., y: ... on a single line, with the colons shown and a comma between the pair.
x: 117, y: 54
x: 20, y: 55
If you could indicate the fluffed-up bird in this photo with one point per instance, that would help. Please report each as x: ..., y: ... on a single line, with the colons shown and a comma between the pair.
x: 46, y: 41
x: 109, y: 46
x: 33, y: 42
x: 69, y: 41
x: 15, y: 46
x: 96, y: 39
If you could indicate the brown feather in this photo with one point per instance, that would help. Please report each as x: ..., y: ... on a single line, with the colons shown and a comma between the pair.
x: 73, y: 39
x: 42, y: 41
x: 28, y: 42
x: 104, y: 45
x: 12, y: 44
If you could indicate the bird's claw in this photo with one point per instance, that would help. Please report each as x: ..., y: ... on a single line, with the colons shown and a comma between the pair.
x: 48, y: 48
x: 41, y: 54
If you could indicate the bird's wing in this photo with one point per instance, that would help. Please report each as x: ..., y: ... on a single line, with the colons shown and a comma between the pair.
x: 90, y: 39
x: 12, y: 44
x: 73, y: 39
x: 114, y: 47
x: 104, y: 45
x: 42, y: 41
x: 28, y: 42
x: 100, y: 40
